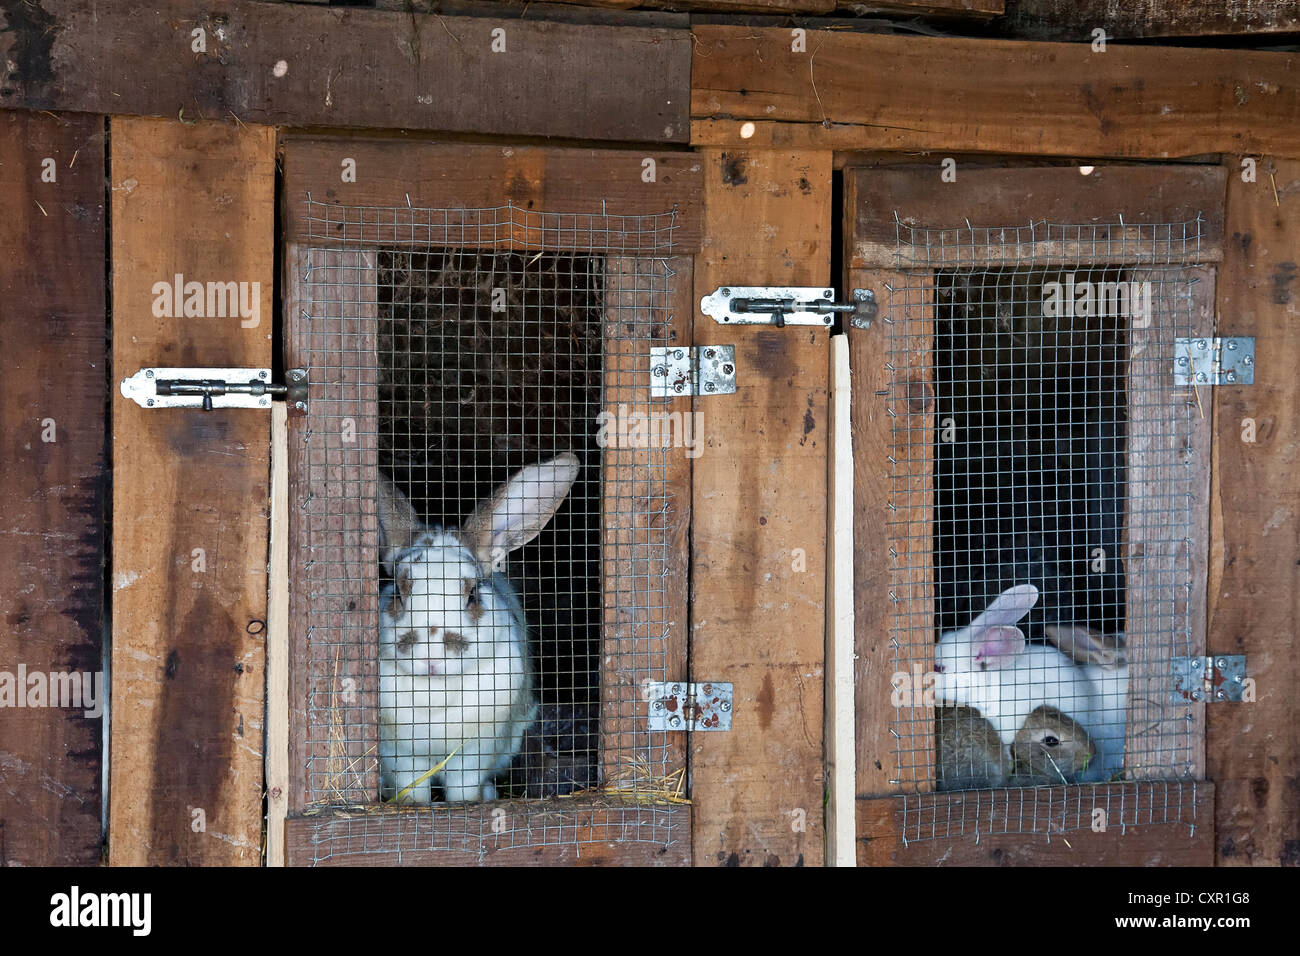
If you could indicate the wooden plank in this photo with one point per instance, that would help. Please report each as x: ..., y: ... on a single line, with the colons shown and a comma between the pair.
x: 893, y: 480
x: 868, y: 91
x: 292, y: 64
x: 277, y: 643
x: 54, y: 487
x: 605, y: 185
x: 571, y: 831
x: 647, y: 519
x: 840, y: 711
x: 1075, y: 20
x: 1254, y: 597
x: 1153, y: 824
x: 332, y: 329
x: 1139, y: 196
x: 759, y: 521
x: 189, y: 500
x: 1167, y: 457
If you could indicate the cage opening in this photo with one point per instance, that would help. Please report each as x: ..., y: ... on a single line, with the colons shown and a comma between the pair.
x: 491, y: 362
x: 1042, y: 499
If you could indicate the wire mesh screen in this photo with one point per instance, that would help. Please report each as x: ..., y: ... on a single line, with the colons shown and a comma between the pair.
x: 515, y: 560
x: 1043, y: 487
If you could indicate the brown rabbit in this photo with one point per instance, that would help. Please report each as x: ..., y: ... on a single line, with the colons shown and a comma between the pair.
x: 970, y: 755
x: 1050, y: 749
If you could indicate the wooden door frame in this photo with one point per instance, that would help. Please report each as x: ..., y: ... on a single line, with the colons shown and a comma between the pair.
x: 337, y: 821
x: 891, y: 827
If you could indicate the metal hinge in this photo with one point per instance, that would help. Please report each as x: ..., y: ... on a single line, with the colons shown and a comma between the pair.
x: 786, y: 305
x: 210, y: 388
x: 677, y: 705
x: 1214, y: 361
x: 692, y: 370
x: 1204, y: 679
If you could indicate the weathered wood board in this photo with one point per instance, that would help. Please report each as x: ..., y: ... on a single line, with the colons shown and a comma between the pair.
x: 601, y: 185
x: 847, y: 90
x: 1139, y: 825
x: 1075, y: 20
x: 293, y: 64
x: 190, y: 497
x: 53, y: 356
x: 759, y: 521
x: 1253, y: 749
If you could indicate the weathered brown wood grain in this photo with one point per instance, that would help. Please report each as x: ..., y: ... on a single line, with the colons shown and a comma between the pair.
x: 54, y: 488
x: 350, y: 67
x: 868, y: 91
x: 190, y: 500
x: 1075, y: 20
x: 1253, y: 750
x: 600, y: 186
x: 759, y: 504
x: 1142, y: 825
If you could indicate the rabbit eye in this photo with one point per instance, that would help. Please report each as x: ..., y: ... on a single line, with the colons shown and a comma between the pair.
x: 1051, y: 741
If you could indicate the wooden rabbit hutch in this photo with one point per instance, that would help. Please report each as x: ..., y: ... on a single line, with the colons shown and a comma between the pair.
x: 472, y: 241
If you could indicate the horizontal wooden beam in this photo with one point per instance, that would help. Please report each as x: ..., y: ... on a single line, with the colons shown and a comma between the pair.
x: 570, y: 831
x: 605, y: 185
x: 1146, y: 824
x: 1159, y: 206
x: 757, y: 88
x: 1076, y: 19
x: 293, y: 64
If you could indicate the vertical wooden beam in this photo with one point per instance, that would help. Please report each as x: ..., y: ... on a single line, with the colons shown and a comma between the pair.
x: 331, y: 329
x: 645, y: 553
x: 190, y: 495
x: 1164, y: 740
x: 1252, y: 750
x: 893, y: 486
x: 840, y: 728
x: 53, y: 490
x: 277, y: 643
x: 759, y: 520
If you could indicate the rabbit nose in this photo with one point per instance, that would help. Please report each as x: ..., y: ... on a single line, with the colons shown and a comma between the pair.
x: 938, y: 668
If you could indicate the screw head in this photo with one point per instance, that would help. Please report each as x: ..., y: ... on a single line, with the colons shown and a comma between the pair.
x: 678, y: 387
x: 728, y: 369
x: 708, y: 689
x: 262, y: 374
x: 148, y: 373
x: 1221, y: 695
x: 1220, y: 663
x: 678, y: 354
x: 1231, y: 376
x: 149, y: 401
x: 1182, y: 360
x: 1201, y: 377
x: 1196, y: 664
x: 1200, y: 345
x: 677, y: 688
x: 661, y: 370
x: 296, y: 375
x: 724, y: 706
x: 674, y: 721
x: 1248, y: 360
x: 828, y: 294
x: 658, y: 706
x: 300, y: 406
x: 709, y: 353
x: 1232, y: 346
x: 1196, y: 695
x: 726, y: 293
x: 710, y: 387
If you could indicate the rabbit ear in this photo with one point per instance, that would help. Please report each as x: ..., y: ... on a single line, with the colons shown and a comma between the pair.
x: 1087, y: 646
x: 519, y: 509
x: 398, y: 522
x: 1008, y: 607
x: 997, y: 646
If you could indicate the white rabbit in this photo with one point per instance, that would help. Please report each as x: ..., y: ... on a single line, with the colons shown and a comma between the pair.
x: 454, y: 669
x: 988, y: 666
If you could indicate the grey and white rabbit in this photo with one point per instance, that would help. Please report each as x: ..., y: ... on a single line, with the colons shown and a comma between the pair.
x: 455, y: 678
x: 987, y: 665
x: 1050, y: 748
